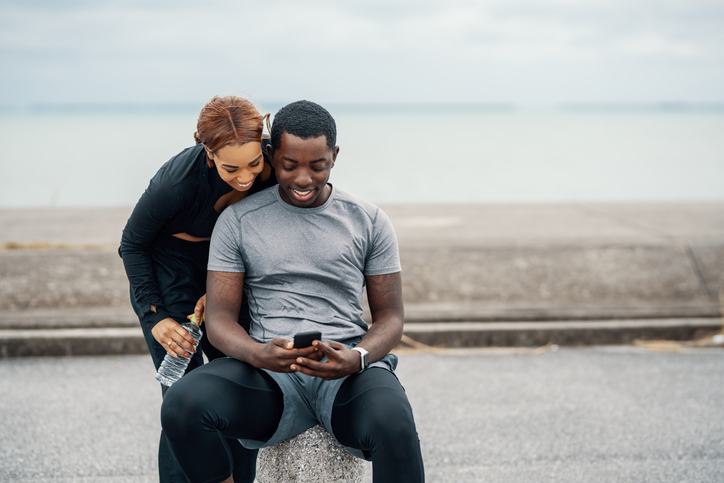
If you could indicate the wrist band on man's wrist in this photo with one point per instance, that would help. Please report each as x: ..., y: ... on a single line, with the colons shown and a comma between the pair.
x: 364, y: 358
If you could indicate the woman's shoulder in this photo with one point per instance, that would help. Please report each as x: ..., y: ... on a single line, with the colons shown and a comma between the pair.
x: 185, y: 165
x: 180, y: 177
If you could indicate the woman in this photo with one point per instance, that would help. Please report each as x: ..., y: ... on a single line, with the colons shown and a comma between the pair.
x: 165, y: 243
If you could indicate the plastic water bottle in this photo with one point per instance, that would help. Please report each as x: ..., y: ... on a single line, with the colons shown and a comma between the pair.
x: 172, y: 368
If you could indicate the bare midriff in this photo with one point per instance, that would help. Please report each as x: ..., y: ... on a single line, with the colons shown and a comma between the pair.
x: 191, y: 238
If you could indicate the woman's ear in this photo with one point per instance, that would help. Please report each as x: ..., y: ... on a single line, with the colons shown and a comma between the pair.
x: 209, y: 158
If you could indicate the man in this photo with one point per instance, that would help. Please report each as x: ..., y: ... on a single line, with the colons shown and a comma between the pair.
x: 305, y: 251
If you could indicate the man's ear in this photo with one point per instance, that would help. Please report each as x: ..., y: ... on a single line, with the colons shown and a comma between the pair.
x: 270, y: 155
x: 334, y: 156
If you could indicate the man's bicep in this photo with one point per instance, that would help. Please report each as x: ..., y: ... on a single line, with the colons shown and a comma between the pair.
x: 223, y: 293
x: 384, y: 292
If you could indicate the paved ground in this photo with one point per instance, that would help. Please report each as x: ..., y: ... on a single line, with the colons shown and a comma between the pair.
x: 602, y: 414
x: 576, y: 266
x: 473, y: 262
x: 474, y: 275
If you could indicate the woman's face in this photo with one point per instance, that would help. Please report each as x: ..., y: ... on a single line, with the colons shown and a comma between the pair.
x: 238, y: 164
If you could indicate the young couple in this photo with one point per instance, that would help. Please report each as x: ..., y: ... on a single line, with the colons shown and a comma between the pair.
x: 300, y: 254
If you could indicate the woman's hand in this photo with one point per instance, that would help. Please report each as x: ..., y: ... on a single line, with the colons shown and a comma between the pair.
x: 341, y: 361
x: 279, y: 354
x: 199, y: 310
x: 173, y: 337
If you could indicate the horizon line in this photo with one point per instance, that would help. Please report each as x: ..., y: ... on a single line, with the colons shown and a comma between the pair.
x: 82, y: 107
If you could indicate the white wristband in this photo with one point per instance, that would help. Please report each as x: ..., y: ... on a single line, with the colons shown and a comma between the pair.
x: 364, y: 358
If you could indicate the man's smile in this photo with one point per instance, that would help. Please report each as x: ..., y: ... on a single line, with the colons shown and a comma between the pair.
x: 302, y: 195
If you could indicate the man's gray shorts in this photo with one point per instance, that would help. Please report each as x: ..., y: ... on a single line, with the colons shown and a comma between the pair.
x: 308, y: 401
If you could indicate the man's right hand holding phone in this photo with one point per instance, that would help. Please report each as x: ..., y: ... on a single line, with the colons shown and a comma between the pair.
x: 279, y: 354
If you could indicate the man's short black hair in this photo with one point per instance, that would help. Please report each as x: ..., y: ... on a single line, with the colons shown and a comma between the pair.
x: 306, y: 120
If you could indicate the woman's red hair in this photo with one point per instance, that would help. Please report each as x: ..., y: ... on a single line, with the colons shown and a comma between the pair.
x: 228, y: 120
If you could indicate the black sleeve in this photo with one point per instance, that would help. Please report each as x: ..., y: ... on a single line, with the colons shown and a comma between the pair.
x: 156, y: 207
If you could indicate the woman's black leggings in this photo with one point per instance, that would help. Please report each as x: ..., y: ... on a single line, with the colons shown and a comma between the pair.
x: 232, y: 399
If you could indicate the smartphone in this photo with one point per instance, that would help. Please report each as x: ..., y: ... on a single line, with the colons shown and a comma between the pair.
x: 305, y: 339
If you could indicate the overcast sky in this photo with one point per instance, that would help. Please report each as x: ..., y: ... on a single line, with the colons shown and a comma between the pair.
x: 399, y: 51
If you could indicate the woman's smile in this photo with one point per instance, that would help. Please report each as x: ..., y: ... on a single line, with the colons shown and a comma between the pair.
x: 245, y: 186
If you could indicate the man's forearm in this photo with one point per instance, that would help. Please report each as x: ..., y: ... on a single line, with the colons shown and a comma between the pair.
x: 230, y: 338
x: 384, y: 293
x: 382, y: 336
x: 223, y: 300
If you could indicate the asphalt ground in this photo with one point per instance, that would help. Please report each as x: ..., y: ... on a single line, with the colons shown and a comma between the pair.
x: 480, y: 276
x: 596, y: 414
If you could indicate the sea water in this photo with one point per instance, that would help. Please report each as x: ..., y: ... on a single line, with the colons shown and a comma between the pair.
x: 391, y: 155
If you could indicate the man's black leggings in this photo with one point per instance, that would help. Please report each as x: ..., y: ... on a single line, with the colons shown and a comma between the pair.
x: 232, y: 399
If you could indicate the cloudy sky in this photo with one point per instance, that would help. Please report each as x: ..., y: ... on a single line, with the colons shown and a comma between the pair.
x: 388, y: 51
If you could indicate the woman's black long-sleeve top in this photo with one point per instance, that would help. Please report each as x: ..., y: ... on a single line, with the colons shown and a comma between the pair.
x: 179, y: 199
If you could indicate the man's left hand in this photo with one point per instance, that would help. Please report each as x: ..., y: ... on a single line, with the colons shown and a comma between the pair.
x: 341, y: 361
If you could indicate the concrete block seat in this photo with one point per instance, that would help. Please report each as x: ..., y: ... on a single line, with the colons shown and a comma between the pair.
x: 313, y: 456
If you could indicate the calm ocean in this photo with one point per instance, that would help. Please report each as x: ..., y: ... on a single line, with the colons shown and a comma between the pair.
x: 392, y: 155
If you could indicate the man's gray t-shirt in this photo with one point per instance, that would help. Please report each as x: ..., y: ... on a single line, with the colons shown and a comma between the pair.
x: 304, y: 268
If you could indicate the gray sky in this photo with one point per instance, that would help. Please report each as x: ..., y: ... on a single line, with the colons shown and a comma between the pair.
x: 400, y: 51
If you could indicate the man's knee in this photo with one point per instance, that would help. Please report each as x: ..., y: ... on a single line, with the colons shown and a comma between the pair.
x: 178, y: 407
x: 186, y: 402
x: 390, y: 418
x: 376, y: 404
